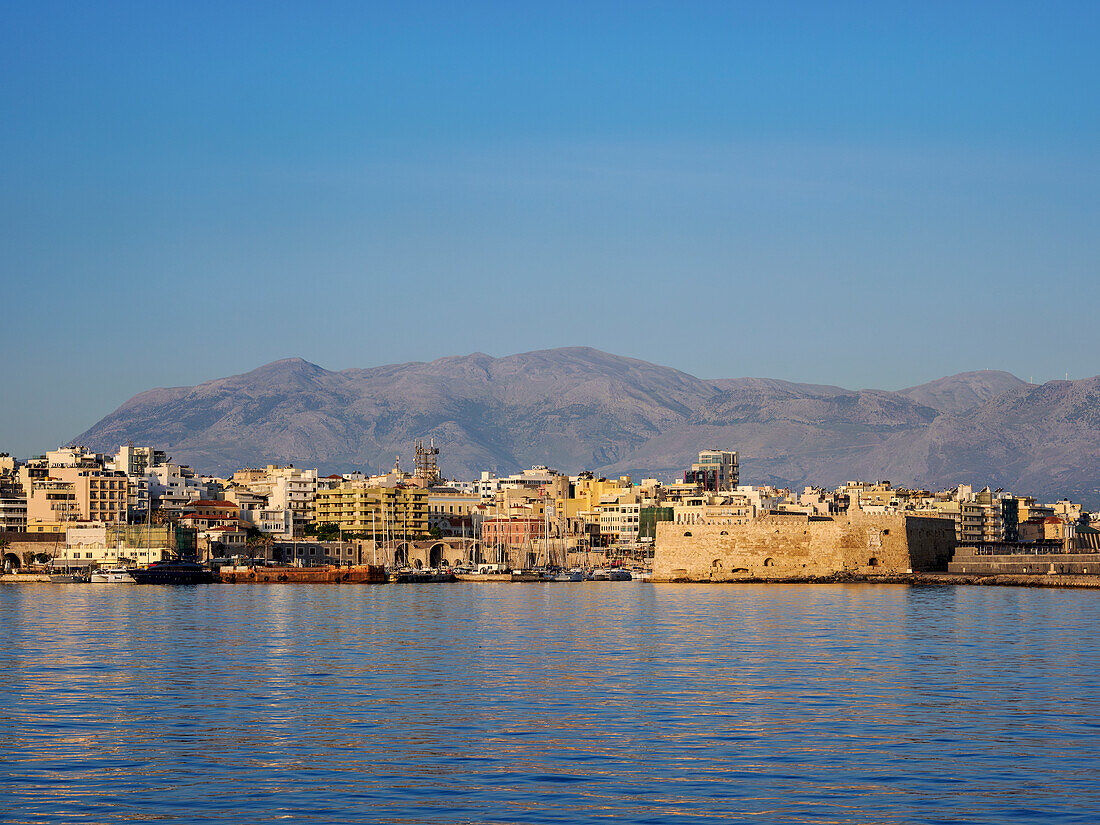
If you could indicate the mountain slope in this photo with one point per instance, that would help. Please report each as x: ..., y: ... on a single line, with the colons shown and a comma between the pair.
x: 964, y: 392
x: 578, y: 408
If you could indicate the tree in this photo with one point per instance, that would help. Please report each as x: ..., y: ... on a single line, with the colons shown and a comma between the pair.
x: 328, y: 531
x: 257, y: 543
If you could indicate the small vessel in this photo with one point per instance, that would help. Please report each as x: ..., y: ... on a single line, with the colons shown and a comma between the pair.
x: 172, y: 572
x: 118, y: 574
x: 327, y: 574
x: 610, y: 574
x: 410, y: 575
x: 527, y: 576
x: 574, y: 575
x: 484, y: 573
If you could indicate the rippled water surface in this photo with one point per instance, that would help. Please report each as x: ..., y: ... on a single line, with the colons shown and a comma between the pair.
x: 549, y: 703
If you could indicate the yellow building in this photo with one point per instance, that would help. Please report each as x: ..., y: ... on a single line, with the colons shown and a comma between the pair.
x: 356, y: 507
x: 588, y: 493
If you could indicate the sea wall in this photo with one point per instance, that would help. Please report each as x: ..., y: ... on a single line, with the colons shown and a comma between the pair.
x: 969, y: 562
x: 795, y: 546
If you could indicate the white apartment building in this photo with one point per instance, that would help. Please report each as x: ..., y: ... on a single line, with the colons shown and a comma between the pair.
x: 619, y: 520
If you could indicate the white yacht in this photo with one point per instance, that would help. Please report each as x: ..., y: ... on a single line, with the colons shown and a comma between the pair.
x: 113, y: 575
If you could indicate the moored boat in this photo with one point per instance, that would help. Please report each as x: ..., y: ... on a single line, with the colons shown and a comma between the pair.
x: 328, y: 574
x: 112, y: 575
x: 484, y: 573
x: 527, y: 576
x: 172, y: 572
x: 574, y: 575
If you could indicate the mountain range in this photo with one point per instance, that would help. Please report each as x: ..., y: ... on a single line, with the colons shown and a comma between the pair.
x: 578, y: 408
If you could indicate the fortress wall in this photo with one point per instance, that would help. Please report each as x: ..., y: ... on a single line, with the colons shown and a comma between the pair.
x: 795, y: 546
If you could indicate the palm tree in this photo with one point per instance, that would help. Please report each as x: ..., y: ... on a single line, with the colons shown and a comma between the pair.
x: 257, y: 542
x: 266, y: 541
x: 251, y: 546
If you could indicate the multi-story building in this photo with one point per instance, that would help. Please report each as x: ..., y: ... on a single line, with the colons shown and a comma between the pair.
x: 715, y: 471
x: 358, y: 507
x: 136, y: 461
x: 1049, y: 530
x: 533, y: 479
x: 512, y: 532
x: 13, y: 499
x: 275, y: 521
x: 729, y: 508
x: 450, y: 511
x: 76, y: 493
x: 13, y: 512
x: 288, y: 488
x: 619, y: 521
x: 174, y: 486
x: 981, y: 519
x: 92, y: 545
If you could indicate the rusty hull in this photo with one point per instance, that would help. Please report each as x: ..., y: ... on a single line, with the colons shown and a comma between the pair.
x: 359, y: 574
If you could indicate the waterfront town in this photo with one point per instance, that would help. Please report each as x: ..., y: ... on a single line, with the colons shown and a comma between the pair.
x: 73, y: 511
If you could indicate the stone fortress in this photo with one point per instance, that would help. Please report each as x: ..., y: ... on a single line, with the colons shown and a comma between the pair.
x: 798, y: 546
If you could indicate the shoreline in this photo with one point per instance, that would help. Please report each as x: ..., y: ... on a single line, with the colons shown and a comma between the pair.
x: 1079, y: 581
x: 917, y: 579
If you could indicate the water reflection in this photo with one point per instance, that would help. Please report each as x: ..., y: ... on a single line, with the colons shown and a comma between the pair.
x: 467, y: 702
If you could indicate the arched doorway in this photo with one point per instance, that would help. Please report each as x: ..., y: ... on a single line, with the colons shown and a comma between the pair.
x: 435, y: 555
x: 401, y: 555
x: 12, y: 563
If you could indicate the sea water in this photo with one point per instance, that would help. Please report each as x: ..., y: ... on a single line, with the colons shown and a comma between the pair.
x: 585, y: 702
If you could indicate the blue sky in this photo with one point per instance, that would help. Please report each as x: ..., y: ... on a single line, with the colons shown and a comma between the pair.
x: 863, y: 194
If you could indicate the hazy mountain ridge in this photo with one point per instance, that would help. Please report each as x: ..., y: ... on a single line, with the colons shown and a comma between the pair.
x: 579, y: 408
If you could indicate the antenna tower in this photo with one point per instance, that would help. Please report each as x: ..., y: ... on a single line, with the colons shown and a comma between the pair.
x: 427, y: 467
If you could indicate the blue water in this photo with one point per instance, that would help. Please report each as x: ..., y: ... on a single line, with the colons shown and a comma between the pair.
x: 548, y: 703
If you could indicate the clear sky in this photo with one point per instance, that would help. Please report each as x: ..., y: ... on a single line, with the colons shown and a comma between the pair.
x: 866, y: 194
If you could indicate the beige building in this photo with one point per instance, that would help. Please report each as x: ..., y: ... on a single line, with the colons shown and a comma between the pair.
x: 71, y: 494
x: 105, y: 545
x: 448, y: 510
x: 731, y: 508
